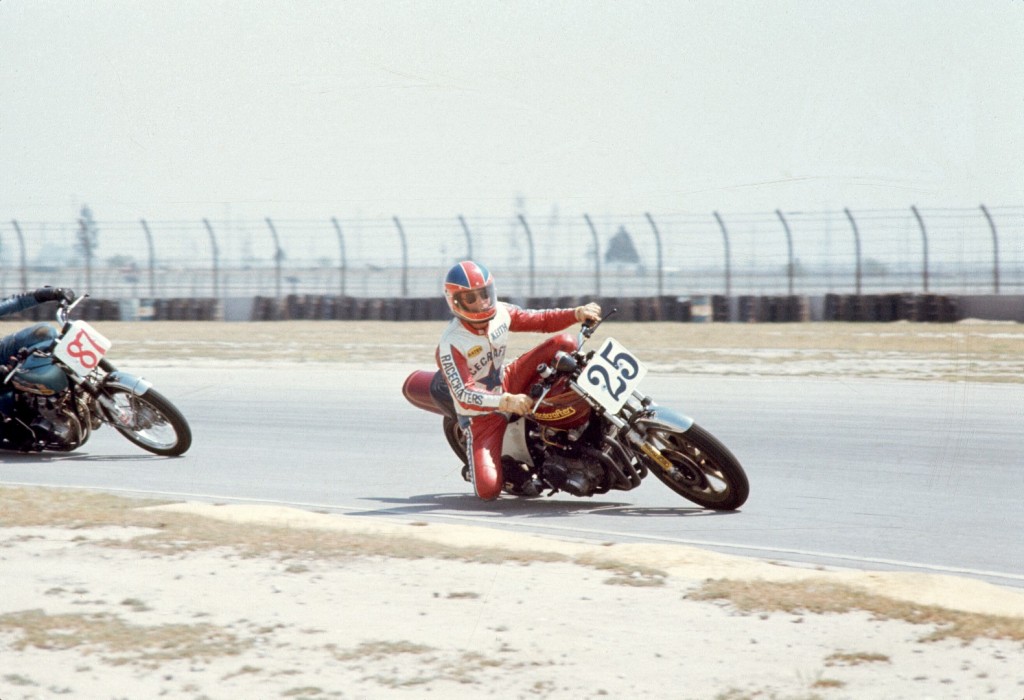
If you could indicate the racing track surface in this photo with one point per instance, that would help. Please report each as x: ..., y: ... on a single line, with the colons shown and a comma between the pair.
x: 874, y: 474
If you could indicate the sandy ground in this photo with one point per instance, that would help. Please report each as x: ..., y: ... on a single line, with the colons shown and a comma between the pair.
x: 87, y: 614
x: 444, y: 611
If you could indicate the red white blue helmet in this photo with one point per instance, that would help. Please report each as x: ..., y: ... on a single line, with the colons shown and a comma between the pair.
x: 469, y: 291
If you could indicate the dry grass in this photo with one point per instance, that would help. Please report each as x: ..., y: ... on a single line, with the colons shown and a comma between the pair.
x: 855, y: 658
x: 170, y: 533
x: 967, y: 344
x: 822, y: 597
x: 117, y: 641
x: 176, y: 533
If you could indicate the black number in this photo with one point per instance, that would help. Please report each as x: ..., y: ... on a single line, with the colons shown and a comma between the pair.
x: 596, y: 381
x: 631, y: 368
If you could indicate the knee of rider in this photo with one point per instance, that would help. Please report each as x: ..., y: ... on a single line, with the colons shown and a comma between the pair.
x: 43, y: 331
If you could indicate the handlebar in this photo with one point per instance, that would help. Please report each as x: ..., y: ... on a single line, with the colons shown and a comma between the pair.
x: 64, y: 309
x: 588, y: 328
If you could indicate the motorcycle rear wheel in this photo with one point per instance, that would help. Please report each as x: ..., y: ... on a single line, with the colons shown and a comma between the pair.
x: 456, y: 437
x: 704, y: 470
x: 149, y: 421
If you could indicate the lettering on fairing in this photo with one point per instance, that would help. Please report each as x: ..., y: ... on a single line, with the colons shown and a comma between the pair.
x: 557, y: 414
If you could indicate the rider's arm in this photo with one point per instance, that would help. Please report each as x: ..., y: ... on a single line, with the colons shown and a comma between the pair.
x: 540, y: 321
x: 469, y: 396
x: 18, y: 302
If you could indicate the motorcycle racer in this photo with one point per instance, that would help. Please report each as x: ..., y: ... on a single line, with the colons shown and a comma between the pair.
x: 471, y: 358
x: 27, y: 337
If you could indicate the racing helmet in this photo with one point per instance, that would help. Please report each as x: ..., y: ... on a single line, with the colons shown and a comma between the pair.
x: 469, y: 291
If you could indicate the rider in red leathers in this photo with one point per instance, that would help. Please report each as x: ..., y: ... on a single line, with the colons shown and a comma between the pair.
x: 471, y: 357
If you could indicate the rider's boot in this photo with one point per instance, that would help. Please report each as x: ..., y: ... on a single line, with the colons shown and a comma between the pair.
x: 520, y: 480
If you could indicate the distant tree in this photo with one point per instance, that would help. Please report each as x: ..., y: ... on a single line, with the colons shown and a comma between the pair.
x: 875, y: 267
x: 88, y: 241
x: 621, y: 248
x: 88, y: 232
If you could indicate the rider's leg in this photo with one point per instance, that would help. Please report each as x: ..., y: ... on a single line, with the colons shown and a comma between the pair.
x: 484, y: 436
x: 522, y: 372
x: 25, y: 338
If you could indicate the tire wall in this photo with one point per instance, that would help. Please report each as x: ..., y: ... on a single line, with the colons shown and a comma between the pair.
x: 928, y: 308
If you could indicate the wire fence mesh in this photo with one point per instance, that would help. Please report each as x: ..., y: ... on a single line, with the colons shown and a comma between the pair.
x: 964, y: 251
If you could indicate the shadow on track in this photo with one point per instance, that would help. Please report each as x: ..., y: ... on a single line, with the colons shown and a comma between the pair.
x: 51, y: 457
x: 539, y: 507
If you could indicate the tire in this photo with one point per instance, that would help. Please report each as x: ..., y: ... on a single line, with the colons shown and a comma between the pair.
x: 704, y: 470
x: 155, y: 424
x: 456, y: 438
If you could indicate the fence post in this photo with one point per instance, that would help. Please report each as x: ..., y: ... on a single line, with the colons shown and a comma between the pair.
x: 728, y: 260
x: 278, y: 258
x: 24, y: 266
x: 657, y: 241
x: 529, y: 240
x: 216, y: 260
x: 789, y: 246
x: 856, y: 246
x: 152, y: 258
x: 924, y: 243
x: 597, y: 254
x: 469, y: 238
x: 405, y: 258
x: 995, y: 248
x: 343, y: 269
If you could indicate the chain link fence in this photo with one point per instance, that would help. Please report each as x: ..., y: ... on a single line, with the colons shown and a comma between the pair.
x: 939, y: 251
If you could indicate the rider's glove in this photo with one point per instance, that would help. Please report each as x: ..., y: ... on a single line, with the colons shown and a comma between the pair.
x: 519, y: 404
x: 45, y: 294
x: 588, y: 312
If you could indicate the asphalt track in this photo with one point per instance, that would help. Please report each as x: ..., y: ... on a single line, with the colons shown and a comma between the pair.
x: 860, y: 473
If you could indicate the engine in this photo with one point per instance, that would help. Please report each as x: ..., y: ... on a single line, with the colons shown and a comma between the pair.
x: 565, y: 463
x: 47, y: 423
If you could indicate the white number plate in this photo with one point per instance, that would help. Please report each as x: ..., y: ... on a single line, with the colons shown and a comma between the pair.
x: 81, y: 348
x: 612, y: 375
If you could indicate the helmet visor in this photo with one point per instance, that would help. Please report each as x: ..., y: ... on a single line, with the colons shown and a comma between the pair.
x: 476, y: 301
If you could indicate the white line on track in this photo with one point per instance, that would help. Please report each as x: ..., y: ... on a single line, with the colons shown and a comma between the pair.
x: 571, y: 531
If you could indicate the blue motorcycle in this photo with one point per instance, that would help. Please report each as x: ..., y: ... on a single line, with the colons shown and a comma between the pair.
x: 60, y: 390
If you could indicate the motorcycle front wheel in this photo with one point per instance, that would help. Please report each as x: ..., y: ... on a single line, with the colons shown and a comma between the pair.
x: 703, y: 469
x: 149, y: 421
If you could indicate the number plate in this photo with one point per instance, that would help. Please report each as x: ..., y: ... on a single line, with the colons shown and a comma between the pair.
x: 81, y: 348
x: 612, y: 375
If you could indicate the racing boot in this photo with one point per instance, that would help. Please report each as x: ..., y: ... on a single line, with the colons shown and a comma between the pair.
x: 520, y: 480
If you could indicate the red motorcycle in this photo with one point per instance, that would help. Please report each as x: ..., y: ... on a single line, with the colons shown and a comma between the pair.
x: 591, y: 431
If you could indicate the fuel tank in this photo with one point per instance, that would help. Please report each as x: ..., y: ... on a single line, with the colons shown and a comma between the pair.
x: 562, y: 408
x: 39, y: 375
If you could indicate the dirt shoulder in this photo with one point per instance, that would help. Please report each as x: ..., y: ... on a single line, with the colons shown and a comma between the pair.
x: 108, y: 597
x: 964, y: 351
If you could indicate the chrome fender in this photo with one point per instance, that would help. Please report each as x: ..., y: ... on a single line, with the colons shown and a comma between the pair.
x: 666, y: 416
x: 127, y: 382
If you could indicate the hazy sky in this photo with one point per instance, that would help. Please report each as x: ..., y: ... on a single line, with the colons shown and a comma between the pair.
x: 295, y: 109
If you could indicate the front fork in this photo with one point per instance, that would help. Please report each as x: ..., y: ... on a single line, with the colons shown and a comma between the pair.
x: 115, y: 379
x: 644, y: 410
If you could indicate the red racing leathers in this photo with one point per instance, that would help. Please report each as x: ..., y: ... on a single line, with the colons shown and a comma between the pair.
x: 472, y: 362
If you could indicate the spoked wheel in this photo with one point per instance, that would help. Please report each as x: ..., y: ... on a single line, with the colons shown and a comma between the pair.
x: 703, y: 469
x: 150, y: 421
